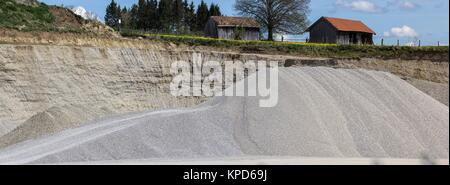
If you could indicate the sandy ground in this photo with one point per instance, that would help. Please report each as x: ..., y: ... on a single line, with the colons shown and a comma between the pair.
x: 260, y: 160
x: 322, y: 113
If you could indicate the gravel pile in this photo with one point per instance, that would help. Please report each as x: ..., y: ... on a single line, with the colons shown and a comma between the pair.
x: 51, y: 121
x: 322, y: 112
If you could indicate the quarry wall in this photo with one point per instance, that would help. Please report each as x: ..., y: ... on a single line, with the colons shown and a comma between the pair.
x: 105, y: 77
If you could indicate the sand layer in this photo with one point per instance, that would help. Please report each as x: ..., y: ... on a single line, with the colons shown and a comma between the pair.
x: 321, y: 112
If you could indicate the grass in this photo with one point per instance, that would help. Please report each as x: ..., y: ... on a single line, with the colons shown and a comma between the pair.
x: 307, y: 49
x: 25, y: 18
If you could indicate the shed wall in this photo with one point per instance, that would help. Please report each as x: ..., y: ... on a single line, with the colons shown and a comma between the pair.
x: 354, y: 38
x: 211, y: 29
x: 323, y: 32
x: 229, y: 33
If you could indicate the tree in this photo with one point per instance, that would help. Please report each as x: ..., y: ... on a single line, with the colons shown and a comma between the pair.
x: 165, y: 15
x: 187, y: 14
x: 217, y: 10
x: 169, y: 16
x: 276, y: 16
x: 191, y: 17
x: 119, y: 12
x: 238, y: 33
x: 125, y: 17
x: 153, y: 20
x: 134, y: 17
x: 112, y: 16
x: 142, y: 15
x: 202, y: 15
x: 214, y: 10
x: 177, y: 15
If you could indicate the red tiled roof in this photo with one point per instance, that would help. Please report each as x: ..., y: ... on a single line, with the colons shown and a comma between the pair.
x: 347, y: 25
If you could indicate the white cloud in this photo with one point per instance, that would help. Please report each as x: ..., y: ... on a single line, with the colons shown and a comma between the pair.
x: 404, y: 31
x: 407, y: 5
x: 358, y: 5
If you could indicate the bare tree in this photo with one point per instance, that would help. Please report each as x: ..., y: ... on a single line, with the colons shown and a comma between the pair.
x: 276, y: 16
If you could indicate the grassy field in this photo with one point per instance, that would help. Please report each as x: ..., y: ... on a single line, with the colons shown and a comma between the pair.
x: 25, y: 18
x: 306, y: 49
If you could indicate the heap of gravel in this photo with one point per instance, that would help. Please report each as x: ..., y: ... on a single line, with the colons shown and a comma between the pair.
x: 53, y: 120
x: 322, y: 112
x: 439, y: 91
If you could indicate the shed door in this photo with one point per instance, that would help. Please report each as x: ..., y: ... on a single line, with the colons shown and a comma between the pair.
x: 353, y: 38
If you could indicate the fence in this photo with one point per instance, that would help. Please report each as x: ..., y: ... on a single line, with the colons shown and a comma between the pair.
x: 381, y: 42
x: 412, y: 43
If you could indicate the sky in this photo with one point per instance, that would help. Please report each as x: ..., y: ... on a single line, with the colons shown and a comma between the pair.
x: 406, y: 20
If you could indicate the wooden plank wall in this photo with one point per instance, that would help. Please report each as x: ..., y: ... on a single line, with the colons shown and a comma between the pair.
x: 323, y: 32
x: 229, y: 33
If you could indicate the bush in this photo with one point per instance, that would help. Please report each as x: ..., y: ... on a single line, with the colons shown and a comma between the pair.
x: 27, y: 18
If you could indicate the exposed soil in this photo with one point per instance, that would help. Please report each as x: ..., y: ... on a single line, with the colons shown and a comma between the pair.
x: 64, y: 18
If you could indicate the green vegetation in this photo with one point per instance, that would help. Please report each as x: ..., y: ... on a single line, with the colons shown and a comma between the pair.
x: 306, y: 49
x: 26, y: 18
x: 166, y: 16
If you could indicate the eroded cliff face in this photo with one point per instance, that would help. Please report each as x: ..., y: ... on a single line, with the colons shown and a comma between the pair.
x: 44, y: 81
x: 35, y: 78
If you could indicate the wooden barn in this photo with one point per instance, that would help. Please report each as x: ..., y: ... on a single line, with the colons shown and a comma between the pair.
x: 340, y: 31
x: 232, y: 28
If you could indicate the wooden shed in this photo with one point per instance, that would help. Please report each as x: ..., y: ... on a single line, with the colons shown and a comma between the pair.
x: 340, y: 31
x: 233, y: 28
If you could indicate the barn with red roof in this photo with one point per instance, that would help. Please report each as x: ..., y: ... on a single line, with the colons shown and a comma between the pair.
x: 340, y: 31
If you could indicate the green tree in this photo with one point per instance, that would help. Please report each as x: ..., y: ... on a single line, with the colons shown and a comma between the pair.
x: 134, y: 17
x: 214, y: 10
x: 112, y: 16
x: 142, y: 15
x: 153, y: 20
x: 174, y: 16
x: 219, y: 13
x: 202, y: 16
x: 184, y: 21
x: 165, y: 13
x: 125, y: 17
x: 191, y: 17
x: 238, y: 33
x: 177, y: 15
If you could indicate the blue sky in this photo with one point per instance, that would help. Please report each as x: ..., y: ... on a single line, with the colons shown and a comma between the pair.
x: 406, y: 20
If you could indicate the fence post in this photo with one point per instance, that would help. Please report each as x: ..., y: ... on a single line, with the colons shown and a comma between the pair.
x: 382, y: 42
